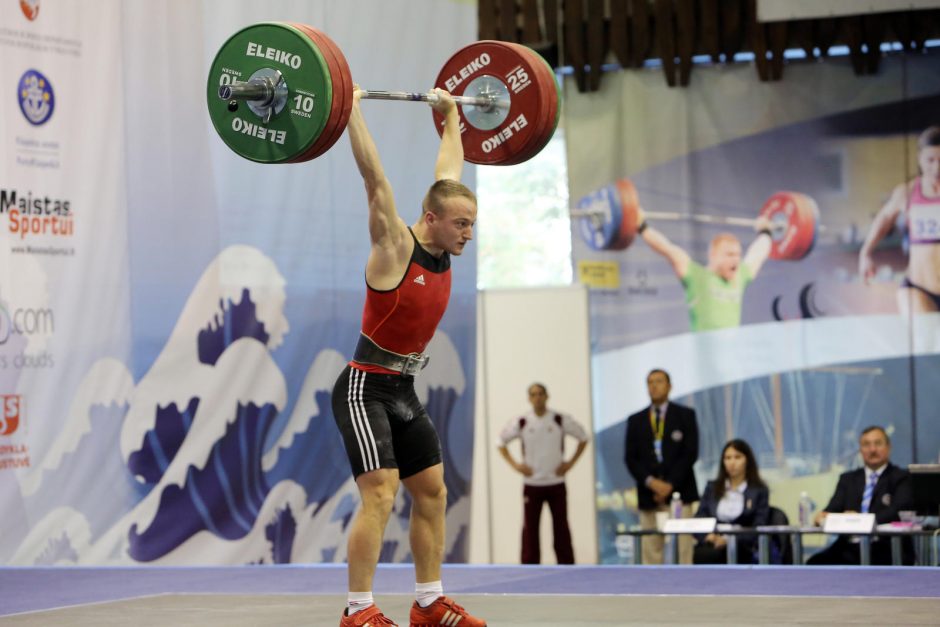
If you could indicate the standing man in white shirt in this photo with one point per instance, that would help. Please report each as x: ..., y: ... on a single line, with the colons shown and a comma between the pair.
x: 542, y: 433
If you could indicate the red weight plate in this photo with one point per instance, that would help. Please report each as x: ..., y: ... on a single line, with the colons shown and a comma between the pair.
x: 799, y: 214
x: 539, y: 79
x: 629, y: 205
x: 555, y: 103
x: 336, y: 103
x: 551, y: 94
x: 344, y: 84
x: 545, y: 80
x: 342, y: 96
x: 503, y: 143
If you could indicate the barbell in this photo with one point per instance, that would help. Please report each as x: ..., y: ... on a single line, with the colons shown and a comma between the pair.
x: 297, y: 92
x: 609, y: 219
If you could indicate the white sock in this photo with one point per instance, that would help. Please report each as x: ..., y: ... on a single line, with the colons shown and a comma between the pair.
x: 358, y: 601
x: 428, y: 593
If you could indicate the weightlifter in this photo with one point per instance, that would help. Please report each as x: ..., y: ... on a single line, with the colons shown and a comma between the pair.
x: 918, y: 200
x: 388, y: 435
x: 713, y: 293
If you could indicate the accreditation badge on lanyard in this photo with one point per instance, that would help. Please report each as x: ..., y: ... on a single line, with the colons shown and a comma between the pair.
x: 658, y: 425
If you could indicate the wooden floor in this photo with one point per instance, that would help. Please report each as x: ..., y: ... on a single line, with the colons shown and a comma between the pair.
x: 562, y: 596
x: 219, y: 610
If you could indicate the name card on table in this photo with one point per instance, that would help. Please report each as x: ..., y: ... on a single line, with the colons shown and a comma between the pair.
x: 690, y: 525
x: 849, y: 523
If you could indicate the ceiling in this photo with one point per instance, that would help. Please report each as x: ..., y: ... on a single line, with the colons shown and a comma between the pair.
x: 587, y: 35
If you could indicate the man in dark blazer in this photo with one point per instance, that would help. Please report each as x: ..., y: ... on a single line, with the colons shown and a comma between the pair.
x: 890, y: 493
x: 661, y: 448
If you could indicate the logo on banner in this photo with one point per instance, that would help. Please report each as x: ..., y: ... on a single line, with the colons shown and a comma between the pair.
x: 11, y: 410
x: 26, y: 322
x: 5, y: 325
x: 30, y: 9
x: 35, y: 214
x: 37, y: 100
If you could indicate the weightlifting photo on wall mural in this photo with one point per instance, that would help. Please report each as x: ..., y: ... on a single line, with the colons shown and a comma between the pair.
x: 778, y: 253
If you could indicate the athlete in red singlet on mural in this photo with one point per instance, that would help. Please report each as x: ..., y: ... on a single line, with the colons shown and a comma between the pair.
x: 919, y: 200
x: 388, y: 434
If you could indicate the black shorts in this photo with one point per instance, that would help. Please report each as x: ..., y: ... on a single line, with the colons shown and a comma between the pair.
x: 906, y: 282
x: 383, y: 423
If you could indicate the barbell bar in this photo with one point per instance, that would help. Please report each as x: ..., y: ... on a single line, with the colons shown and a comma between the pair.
x: 264, y: 92
x: 677, y: 216
x: 609, y: 219
x: 482, y: 102
x: 297, y: 88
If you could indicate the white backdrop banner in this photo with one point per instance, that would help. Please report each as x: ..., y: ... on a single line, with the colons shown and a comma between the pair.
x: 64, y: 309
x: 172, y: 316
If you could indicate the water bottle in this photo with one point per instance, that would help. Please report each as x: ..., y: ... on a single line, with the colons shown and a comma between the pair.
x: 675, y: 506
x: 806, y: 510
x: 624, y: 546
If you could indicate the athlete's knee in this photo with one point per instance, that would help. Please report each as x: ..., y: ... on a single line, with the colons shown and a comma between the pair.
x: 431, y: 500
x: 377, y: 490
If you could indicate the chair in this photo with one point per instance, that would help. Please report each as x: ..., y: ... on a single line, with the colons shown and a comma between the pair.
x: 781, y: 545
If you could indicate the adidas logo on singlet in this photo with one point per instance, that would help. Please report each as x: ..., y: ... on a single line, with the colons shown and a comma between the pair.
x: 419, y: 279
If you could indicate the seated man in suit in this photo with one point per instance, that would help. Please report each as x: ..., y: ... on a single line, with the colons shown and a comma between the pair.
x: 879, y: 488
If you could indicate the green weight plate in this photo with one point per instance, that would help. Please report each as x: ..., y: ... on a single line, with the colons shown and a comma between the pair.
x: 290, y: 132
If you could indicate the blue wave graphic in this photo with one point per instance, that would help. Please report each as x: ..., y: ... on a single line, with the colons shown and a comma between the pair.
x: 316, y: 459
x: 223, y: 498
x: 440, y: 407
x: 238, y: 321
x: 161, y: 443
x: 280, y: 533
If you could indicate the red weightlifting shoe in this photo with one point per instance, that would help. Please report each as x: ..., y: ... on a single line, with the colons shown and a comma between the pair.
x: 372, y: 616
x: 443, y: 612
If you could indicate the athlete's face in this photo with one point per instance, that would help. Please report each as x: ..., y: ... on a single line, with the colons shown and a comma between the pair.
x: 929, y: 160
x: 453, y: 228
x: 735, y: 463
x: 725, y: 258
x: 875, y: 449
x: 538, y: 397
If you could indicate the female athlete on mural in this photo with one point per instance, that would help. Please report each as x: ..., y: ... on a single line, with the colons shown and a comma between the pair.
x: 918, y: 201
x: 388, y: 435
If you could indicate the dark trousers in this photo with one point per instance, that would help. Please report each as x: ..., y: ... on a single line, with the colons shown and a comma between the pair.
x: 534, y: 498
x: 708, y: 553
x: 844, y: 552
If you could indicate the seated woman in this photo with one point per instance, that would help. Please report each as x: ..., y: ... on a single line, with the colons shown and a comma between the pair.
x: 737, y: 496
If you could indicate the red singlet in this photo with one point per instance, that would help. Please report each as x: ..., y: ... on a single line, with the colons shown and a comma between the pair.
x: 404, y: 318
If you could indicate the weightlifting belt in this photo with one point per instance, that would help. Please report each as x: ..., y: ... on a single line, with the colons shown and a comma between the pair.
x: 368, y: 352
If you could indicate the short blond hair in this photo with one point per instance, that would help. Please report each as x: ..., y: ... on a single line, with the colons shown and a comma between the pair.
x: 720, y: 239
x: 441, y: 191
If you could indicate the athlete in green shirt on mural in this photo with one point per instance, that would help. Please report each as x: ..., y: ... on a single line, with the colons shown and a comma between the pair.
x: 713, y: 293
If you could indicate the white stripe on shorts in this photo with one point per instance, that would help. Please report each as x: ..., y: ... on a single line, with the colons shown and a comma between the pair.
x: 360, y: 421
